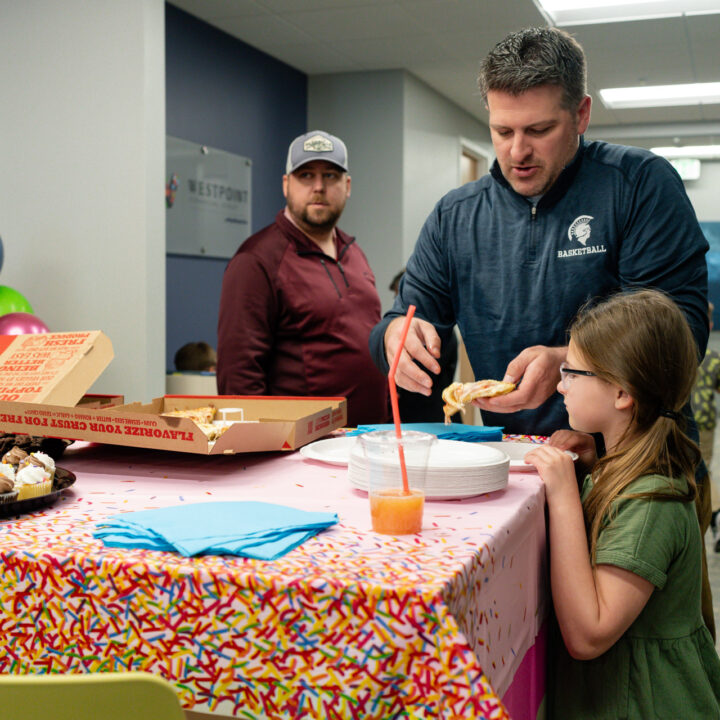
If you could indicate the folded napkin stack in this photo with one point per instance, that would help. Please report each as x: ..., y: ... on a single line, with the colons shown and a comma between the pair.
x: 454, y: 431
x: 250, y: 529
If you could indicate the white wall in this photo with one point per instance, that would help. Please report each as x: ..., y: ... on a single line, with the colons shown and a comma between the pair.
x: 704, y: 193
x: 433, y: 130
x: 365, y: 109
x: 404, y: 148
x: 82, y: 141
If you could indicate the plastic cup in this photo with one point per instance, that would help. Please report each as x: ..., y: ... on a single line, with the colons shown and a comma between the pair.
x: 224, y: 412
x: 394, y: 511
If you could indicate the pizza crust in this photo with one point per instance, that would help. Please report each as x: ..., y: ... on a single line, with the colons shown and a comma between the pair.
x: 457, y: 395
x: 212, y: 431
x: 203, y: 418
x: 197, y: 415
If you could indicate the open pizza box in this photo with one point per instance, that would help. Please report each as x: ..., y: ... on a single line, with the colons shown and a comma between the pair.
x: 248, y: 423
x: 55, y: 368
x: 43, y: 379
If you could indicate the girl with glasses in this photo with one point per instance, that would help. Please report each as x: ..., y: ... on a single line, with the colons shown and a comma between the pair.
x: 625, y: 551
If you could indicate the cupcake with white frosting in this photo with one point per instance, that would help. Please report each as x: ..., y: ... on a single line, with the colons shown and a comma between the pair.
x: 39, y: 460
x: 32, y: 481
x: 47, y: 461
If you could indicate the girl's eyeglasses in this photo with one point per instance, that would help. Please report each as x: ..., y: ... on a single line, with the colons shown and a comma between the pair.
x: 568, y: 374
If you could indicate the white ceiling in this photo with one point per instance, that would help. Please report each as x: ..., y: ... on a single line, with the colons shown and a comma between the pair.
x: 442, y: 41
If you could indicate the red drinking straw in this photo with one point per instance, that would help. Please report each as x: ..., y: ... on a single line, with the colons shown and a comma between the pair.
x: 394, y: 397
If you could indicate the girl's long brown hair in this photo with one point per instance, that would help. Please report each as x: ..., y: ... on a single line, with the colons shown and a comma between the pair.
x: 640, y: 341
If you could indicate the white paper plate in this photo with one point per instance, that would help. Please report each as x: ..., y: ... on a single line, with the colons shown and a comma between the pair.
x: 445, y: 454
x: 471, y: 488
x: 455, y: 470
x: 334, y: 451
x: 451, y: 456
x: 516, y: 451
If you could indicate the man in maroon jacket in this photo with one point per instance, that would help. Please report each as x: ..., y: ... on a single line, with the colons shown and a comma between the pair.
x: 298, y: 298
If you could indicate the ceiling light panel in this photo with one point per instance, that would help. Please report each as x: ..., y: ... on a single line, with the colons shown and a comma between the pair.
x: 702, y: 152
x: 585, y: 12
x: 661, y: 95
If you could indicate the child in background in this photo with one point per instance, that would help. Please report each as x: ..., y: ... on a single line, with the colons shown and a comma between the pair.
x: 703, y: 405
x: 625, y: 552
x: 196, y: 357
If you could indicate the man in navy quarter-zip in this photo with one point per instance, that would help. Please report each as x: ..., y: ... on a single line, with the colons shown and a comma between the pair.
x: 512, y: 257
x: 558, y: 220
x: 299, y: 299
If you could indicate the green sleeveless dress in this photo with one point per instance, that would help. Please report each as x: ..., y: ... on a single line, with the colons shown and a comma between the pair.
x: 665, y: 665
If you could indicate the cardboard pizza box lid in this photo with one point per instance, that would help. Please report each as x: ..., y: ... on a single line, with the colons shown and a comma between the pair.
x: 52, y: 368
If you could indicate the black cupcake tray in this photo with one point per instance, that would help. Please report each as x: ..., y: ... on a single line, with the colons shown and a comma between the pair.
x: 63, y: 480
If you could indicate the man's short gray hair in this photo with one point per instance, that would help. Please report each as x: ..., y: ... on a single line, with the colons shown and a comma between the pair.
x: 533, y: 57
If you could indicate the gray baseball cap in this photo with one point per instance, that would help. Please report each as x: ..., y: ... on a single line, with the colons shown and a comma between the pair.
x: 316, y: 145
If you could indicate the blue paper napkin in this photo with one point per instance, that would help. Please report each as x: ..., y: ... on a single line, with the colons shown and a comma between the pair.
x: 454, y: 431
x: 250, y: 529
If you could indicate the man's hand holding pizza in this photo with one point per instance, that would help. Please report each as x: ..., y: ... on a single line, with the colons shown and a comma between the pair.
x: 538, y: 367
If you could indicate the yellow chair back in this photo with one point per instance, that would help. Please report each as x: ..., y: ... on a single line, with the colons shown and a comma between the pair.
x: 92, y: 696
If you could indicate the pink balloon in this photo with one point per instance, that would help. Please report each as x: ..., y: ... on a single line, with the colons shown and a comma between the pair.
x: 21, y: 323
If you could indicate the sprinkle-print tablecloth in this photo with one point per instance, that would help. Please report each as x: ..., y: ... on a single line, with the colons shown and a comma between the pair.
x: 350, y: 624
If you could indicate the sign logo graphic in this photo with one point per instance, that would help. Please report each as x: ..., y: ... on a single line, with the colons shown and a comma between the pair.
x: 170, y: 190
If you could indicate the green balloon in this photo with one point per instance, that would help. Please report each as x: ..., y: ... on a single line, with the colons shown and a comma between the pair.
x: 12, y: 301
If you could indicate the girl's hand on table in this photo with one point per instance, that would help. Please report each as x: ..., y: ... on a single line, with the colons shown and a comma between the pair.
x: 557, y: 471
x: 578, y: 442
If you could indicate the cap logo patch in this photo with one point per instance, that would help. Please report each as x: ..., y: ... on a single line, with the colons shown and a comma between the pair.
x: 318, y: 143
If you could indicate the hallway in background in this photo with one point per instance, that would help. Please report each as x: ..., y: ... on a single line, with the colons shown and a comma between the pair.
x: 712, y: 556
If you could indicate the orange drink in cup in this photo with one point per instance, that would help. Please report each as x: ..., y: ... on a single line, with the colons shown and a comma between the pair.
x: 394, y: 513
x: 395, y: 509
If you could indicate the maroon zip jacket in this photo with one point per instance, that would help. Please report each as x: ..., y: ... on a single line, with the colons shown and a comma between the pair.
x: 294, y: 321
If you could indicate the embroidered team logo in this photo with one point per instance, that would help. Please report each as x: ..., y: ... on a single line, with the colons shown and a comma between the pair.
x: 580, y: 229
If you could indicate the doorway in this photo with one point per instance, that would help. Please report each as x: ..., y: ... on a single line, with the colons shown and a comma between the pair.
x: 474, y: 163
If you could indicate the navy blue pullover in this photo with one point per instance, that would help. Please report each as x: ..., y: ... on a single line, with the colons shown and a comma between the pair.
x: 512, y: 275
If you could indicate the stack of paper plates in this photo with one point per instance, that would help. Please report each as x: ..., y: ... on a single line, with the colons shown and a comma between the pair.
x: 455, y: 469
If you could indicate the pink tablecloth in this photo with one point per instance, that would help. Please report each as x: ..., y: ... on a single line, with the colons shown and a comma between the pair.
x: 348, y: 625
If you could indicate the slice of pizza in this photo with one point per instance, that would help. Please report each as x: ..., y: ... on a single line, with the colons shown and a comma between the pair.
x: 197, y: 415
x: 212, y: 431
x: 457, y: 395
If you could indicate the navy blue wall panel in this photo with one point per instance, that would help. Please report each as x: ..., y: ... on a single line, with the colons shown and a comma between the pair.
x: 223, y: 93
